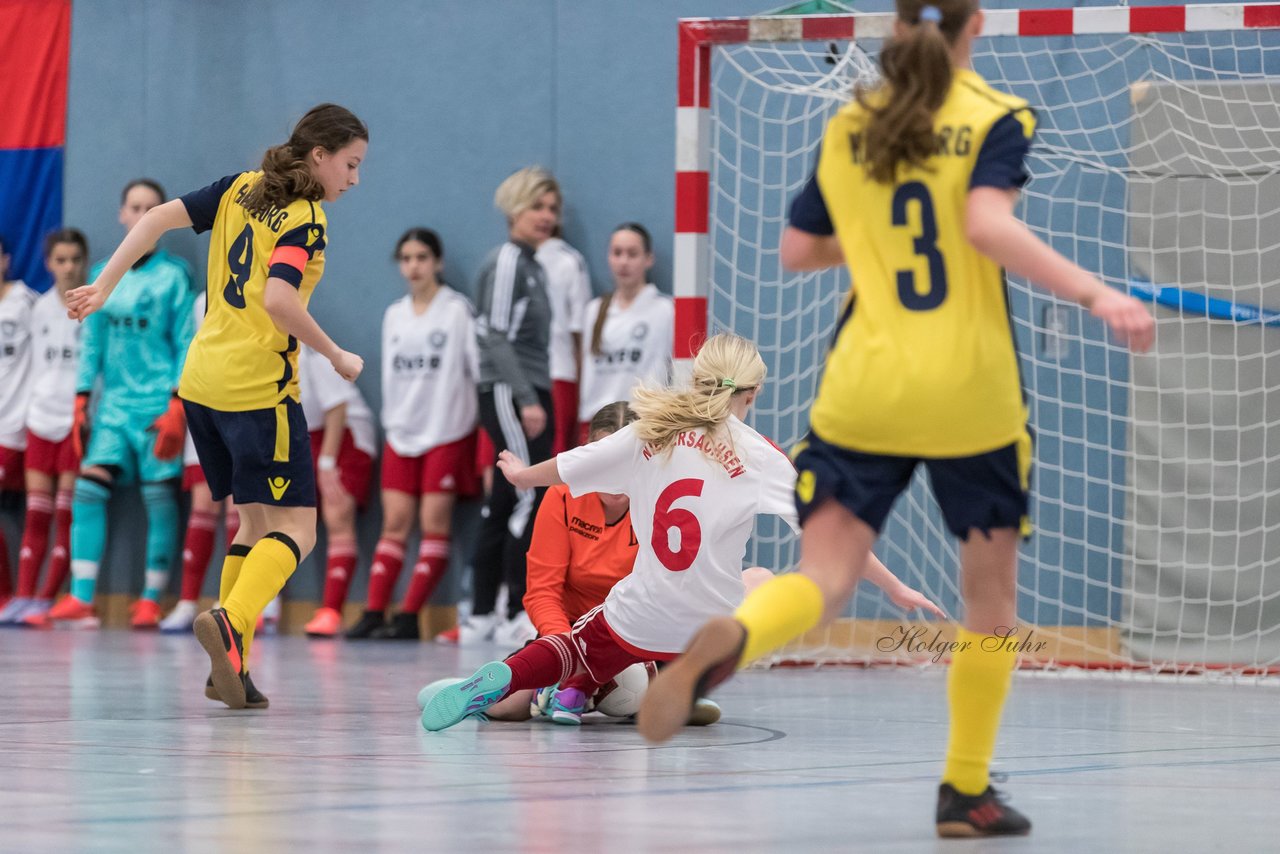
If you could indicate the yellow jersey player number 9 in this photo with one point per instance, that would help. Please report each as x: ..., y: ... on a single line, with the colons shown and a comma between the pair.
x: 239, y: 387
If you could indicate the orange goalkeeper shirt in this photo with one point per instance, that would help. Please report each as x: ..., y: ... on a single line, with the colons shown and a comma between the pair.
x: 574, y: 560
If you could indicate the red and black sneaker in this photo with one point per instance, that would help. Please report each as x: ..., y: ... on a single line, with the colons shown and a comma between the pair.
x: 253, y: 698
x: 226, y: 655
x: 978, y: 815
x: 711, y: 658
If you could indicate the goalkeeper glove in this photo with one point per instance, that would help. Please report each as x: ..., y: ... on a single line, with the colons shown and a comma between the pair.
x: 171, y: 430
x: 80, y: 425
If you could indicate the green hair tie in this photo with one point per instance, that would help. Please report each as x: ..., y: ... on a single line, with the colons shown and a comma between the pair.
x: 728, y: 383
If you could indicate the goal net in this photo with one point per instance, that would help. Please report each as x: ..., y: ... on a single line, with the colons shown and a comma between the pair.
x: 1157, y: 478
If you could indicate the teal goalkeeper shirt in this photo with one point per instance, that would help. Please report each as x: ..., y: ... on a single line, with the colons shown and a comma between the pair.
x: 138, y: 341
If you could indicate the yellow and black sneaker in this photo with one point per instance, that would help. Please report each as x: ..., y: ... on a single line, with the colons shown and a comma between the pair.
x: 226, y: 655
x: 253, y: 698
x: 978, y: 815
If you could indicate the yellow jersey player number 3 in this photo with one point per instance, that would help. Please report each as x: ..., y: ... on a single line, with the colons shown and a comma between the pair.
x: 239, y: 387
x: 915, y: 190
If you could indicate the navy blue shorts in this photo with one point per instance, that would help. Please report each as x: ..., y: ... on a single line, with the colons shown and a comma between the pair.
x: 262, y: 456
x: 984, y: 492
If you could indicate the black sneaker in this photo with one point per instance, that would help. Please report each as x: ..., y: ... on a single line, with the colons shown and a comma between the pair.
x: 401, y: 627
x: 711, y: 658
x: 253, y: 698
x: 226, y: 655
x: 365, y: 626
x: 978, y: 815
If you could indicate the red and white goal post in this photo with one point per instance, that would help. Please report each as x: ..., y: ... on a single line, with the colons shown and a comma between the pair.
x: 1157, y: 480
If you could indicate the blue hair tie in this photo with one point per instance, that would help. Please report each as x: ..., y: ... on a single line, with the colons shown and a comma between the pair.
x: 932, y: 14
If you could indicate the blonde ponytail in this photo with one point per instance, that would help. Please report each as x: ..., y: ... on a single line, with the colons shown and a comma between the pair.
x: 727, y: 365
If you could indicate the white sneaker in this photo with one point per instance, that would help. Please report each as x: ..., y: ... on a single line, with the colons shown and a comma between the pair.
x: 516, y: 632
x: 180, y: 618
x: 35, y: 611
x: 477, y: 629
x: 13, y: 612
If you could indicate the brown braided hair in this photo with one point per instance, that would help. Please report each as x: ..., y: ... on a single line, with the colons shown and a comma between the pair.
x: 286, y: 175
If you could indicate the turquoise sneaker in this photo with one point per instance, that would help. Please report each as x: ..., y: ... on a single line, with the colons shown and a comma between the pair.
x: 486, y: 686
x: 428, y: 692
x: 567, y: 707
x: 540, y: 705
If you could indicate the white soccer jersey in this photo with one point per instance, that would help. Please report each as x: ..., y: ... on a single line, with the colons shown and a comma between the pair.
x: 322, y: 389
x: 430, y: 365
x: 635, y: 347
x: 569, y: 289
x: 693, y: 510
x: 55, y: 357
x: 15, y: 363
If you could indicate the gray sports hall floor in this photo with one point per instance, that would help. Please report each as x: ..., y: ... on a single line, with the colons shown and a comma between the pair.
x: 108, y: 744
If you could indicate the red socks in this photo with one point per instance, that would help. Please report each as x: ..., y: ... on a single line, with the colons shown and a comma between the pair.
x: 388, y: 558
x: 35, y: 543
x: 544, y: 662
x: 337, y: 575
x: 196, y: 551
x: 433, y: 562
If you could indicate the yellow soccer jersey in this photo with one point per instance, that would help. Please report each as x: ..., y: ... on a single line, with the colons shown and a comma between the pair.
x: 239, y: 359
x: 925, y: 364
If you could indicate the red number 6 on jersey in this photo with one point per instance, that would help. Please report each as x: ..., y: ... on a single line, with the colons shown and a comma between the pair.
x: 665, y: 518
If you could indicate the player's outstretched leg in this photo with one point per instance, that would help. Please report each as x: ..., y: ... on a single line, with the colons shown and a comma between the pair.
x: 485, y: 687
x: 711, y: 658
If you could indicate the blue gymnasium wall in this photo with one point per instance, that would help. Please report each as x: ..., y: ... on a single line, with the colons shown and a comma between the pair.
x: 457, y: 95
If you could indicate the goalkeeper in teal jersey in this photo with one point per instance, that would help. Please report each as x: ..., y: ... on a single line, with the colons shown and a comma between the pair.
x: 132, y: 353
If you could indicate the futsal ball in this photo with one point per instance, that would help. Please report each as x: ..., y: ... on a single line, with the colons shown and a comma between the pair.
x: 429, y: 691
x: 621, y: 697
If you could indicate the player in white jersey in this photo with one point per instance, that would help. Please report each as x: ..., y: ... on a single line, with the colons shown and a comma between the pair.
x: 697, y: 477
x: 569, y: 290
x: 629, y: 331
x: 344, y: 440
x: 202, y: 524
x: 429, y: 413
x: 16, y: 303
x: 51, y: 458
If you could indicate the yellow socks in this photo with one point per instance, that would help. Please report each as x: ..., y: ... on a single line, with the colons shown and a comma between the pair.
x: 267, y: 567
x: 977, y: 685
x: 777, y: 612
x: 231, y: 570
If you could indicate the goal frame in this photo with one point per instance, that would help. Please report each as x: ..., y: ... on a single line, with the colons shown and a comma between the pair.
x: 693, y: 157
x: 691, y: 260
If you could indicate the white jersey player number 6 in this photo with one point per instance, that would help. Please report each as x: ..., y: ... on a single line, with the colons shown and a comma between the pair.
x: 665, y: 517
